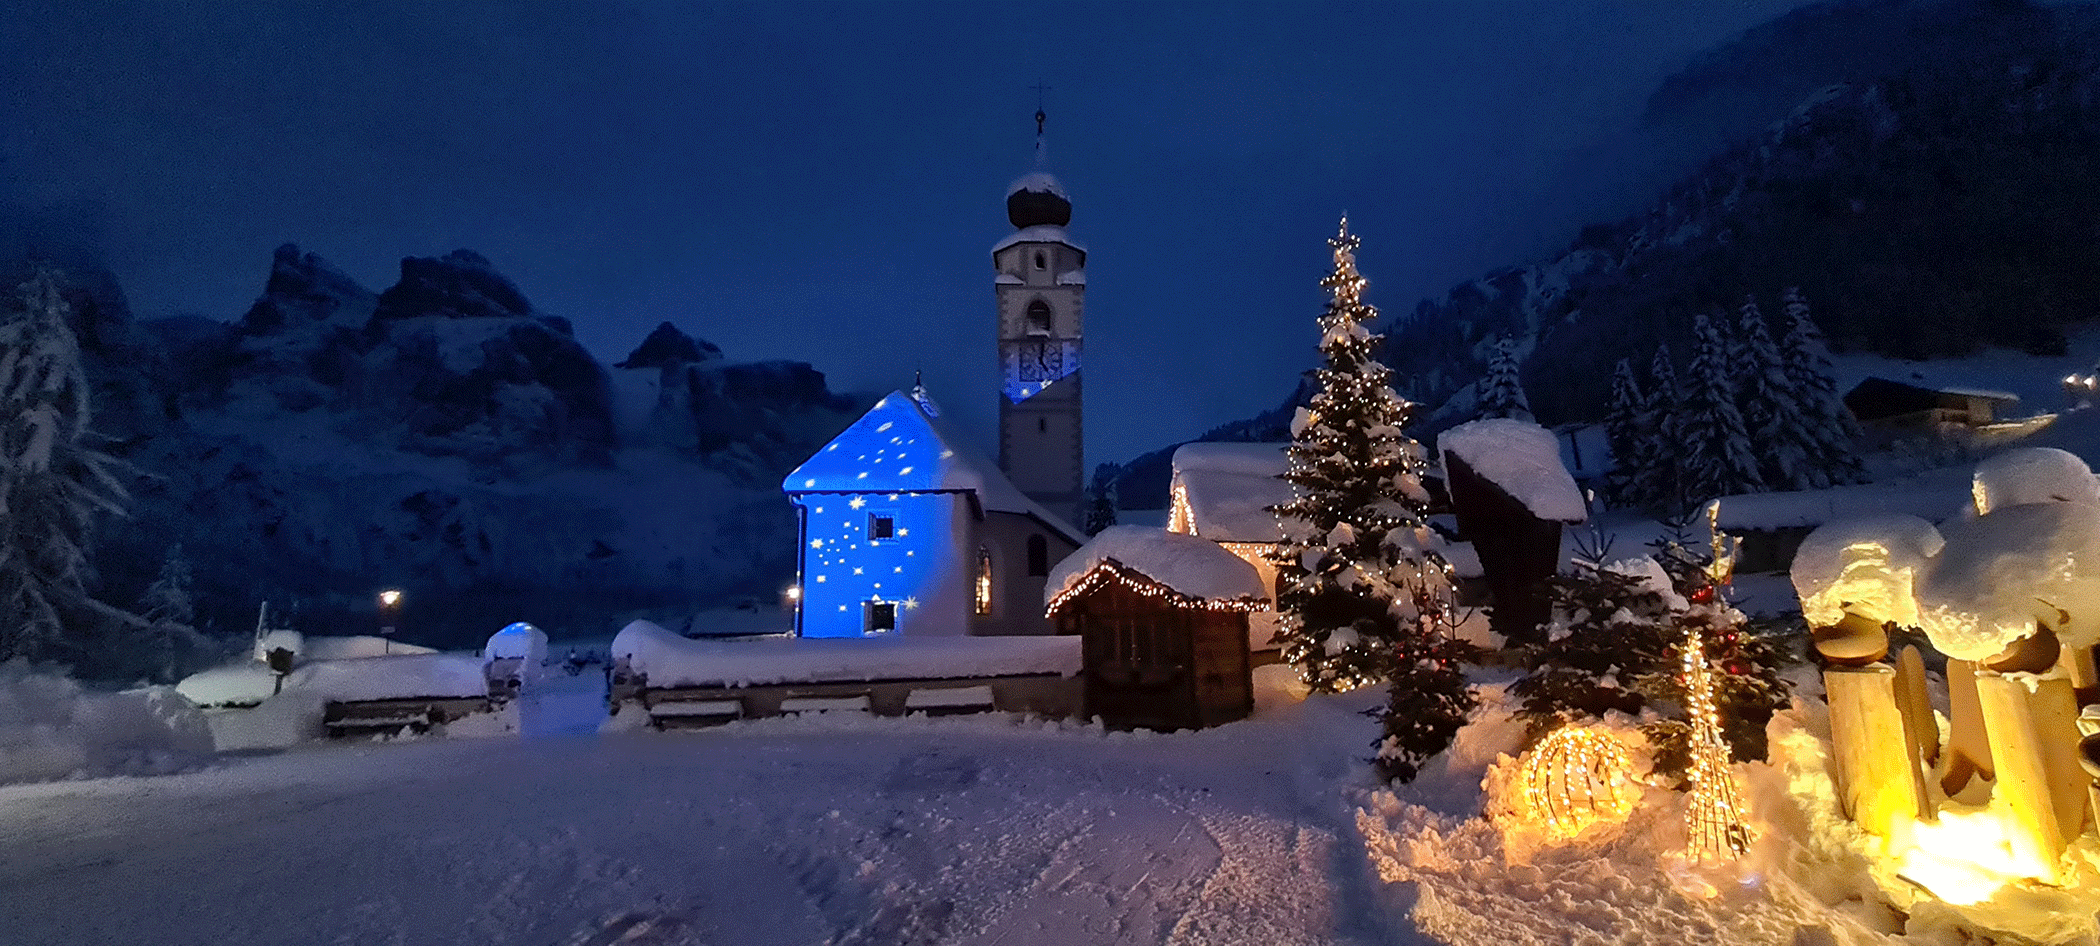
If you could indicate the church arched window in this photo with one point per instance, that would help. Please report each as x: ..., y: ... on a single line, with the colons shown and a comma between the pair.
x: 1040, y: 261
x: 1038, y: 556
x: 1039, y: 318
x: 984, y: 581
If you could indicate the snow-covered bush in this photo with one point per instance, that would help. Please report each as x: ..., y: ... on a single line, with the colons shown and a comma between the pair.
x: 2033, y: 475
x: 51, y: 728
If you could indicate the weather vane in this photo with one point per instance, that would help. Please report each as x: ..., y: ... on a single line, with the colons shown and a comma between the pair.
x: 1039, y: 116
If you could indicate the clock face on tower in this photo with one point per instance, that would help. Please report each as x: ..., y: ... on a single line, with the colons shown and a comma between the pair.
x: 1031, y: 365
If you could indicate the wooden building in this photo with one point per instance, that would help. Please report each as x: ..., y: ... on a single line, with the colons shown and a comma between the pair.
x: 1512, y: 497
x: 1163, y: 622
x: 1892, y: 410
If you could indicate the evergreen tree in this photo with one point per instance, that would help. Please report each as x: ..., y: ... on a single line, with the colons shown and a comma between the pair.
x: 1716, y: 449
x: 1770, y: 406
x: 1101, y: 498
x: 1624, y: 433
x: 52, y: 483
x: 169, y: 613
x: 1501, y: 391
x: 1657, y: 476
x: 1614, y: 646
x: 1365, y: 596
x: 1829, y: 428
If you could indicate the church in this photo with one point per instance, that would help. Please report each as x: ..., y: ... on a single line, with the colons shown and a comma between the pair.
x: 905, y: 530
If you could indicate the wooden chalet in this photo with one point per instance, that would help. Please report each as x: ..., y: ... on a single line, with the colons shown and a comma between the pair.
x: 1162, y: 619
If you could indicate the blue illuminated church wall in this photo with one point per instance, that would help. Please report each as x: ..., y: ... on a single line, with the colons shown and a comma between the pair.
x: 896, y: 524
x: 922, y: 569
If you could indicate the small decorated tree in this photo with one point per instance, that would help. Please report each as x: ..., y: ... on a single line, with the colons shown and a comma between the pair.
x: 1365, y: 596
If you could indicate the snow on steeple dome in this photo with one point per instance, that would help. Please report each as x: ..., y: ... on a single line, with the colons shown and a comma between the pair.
x: 1036, y: 199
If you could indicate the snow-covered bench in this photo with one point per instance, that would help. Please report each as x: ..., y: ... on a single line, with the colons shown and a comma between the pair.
x: 683, y: 683
x: 415, y: 714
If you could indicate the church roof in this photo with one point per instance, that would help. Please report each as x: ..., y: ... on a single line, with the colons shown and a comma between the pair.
x: 898, y: 447
x: 1223, y: 491
x: 1041, y: 234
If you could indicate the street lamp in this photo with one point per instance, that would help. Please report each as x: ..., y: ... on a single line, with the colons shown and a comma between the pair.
x: 389, y: 615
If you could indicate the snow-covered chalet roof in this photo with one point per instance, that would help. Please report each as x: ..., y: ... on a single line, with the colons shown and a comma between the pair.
x: 1042, y: 182
x: 897, y: 447
x: 1523, y: 459
x: 1042, y: 233
x: 1196, y: 568
x: 1227, y: 489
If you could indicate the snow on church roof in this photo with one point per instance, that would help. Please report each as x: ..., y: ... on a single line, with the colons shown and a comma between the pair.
x: 1041, y: 233
x: 897, y: 447
x: 1227, y: 489
x: 1192, y: 566
x: 1521, y: 458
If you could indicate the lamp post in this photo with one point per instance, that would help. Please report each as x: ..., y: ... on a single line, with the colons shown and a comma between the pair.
x: 389, y: 616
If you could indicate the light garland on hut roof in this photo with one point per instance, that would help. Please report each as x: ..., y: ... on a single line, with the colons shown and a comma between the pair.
x: 1110, y: 570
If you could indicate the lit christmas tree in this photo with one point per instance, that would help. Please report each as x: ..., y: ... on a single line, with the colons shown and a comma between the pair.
x: 1501, y: 391
x: 1365, y: 596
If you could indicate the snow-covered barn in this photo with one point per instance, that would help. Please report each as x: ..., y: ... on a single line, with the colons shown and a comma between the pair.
x: 1222, y: 492
x: 905, y: 531
x: 1512, y: 495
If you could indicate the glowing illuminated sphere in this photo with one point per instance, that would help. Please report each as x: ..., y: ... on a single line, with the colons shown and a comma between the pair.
x: 1577, y: 777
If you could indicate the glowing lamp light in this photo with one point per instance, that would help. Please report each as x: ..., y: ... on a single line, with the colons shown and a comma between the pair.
x: 390, y: 597
x: 793, y: 592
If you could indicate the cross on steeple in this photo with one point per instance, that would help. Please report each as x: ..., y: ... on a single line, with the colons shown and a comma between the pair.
x: 1039, y: 116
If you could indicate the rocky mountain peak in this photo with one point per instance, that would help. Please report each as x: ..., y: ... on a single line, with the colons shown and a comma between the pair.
x: 667, y: 347
x: 304, y: 289
x: 461, y: 284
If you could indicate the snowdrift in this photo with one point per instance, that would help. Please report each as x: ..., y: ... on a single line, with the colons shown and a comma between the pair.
x: 50, y: 728
x: 667, y: 659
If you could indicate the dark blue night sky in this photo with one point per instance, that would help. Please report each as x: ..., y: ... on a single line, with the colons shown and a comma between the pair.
x: 825, y: 182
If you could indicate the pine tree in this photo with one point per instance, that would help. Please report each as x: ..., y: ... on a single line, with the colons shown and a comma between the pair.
x: 1657, y: 476
x: 1101, y: 498
x: 52, y: 483
x: 1365, y: 596
x: 1829, y: 426
x: 1716, y: 449
x: 169, y: 613
x: 1613, y: 646
x: 1769, y: 404
x: 1501, y: 391
x: 1623, y: 432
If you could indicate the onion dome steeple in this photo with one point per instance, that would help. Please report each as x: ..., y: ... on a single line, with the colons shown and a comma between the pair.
x: 1037, y: 199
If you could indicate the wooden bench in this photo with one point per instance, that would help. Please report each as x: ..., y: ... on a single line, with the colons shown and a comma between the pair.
x: 415, y: 714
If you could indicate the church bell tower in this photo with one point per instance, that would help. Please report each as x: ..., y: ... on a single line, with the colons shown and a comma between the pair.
x: 1041, y: 292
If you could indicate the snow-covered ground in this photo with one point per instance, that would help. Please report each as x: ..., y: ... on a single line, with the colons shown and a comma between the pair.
x: 864, y: 831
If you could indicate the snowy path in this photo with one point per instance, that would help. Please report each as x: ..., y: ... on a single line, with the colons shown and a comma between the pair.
x: 789, y: 832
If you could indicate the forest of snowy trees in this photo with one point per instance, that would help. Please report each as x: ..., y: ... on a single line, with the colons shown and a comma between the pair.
x: 1679, y: 444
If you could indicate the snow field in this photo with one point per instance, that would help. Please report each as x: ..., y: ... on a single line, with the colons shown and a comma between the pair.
x: 51, y: 728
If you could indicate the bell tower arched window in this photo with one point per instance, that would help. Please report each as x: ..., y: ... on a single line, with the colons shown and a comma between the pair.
x: 1038, y: 318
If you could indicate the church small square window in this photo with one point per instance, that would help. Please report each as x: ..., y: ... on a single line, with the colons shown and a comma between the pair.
x: 882, y: 525
x: 881, y: 617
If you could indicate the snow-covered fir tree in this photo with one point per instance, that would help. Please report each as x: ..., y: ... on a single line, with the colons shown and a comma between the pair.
x: 1829, y: 428
x: 1768, y: 402
x: 1656, y: 480
x: 170, y: 613
x: 1501, y: 391
x: 1101, y: 498
x: 1623, y: 433
x: 1365, y: 596
x: 1716, y: 448
x: 52, y: 483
